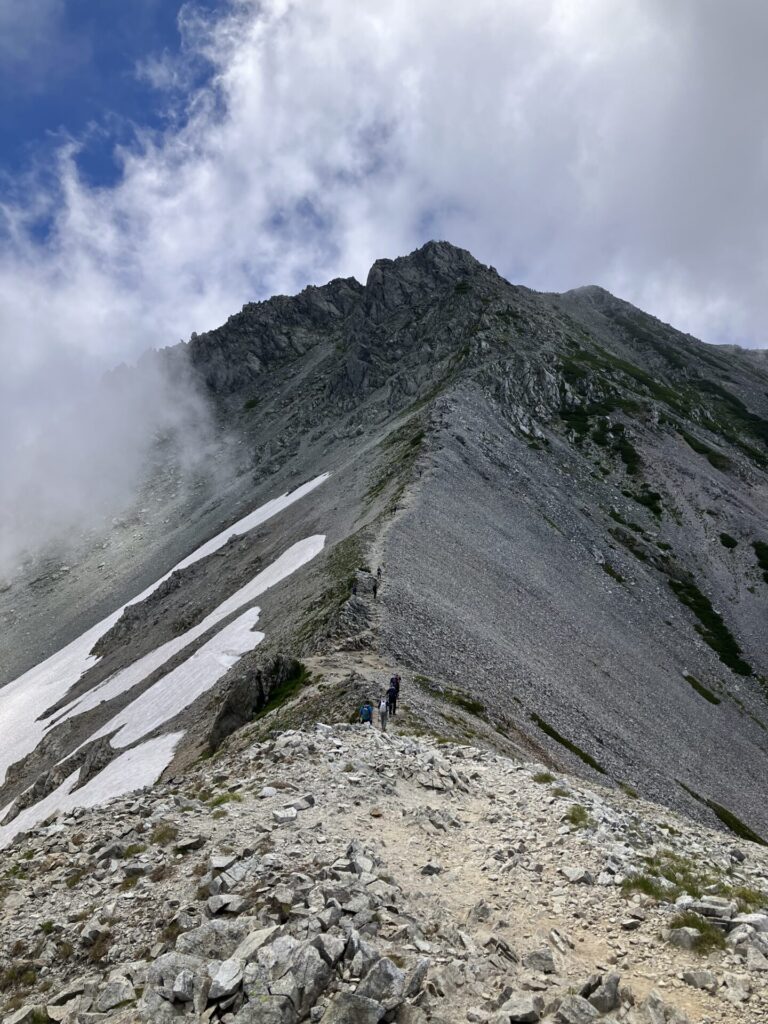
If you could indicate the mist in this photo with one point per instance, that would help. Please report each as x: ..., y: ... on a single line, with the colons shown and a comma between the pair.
x: 87, y: 446
x: 566, y: 144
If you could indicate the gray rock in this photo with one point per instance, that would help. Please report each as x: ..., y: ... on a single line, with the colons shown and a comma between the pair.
x: 431, y: 868
x: 227, y: 979
x: 114, y: 993
x: 266, y: 1009
x: 216, y: 939
x: 184, y: 986
x: 352, y: 1008
x: 285, y: 815
x: 606, y: 996
x: 523, y: 1008
x: 684, y: 938
x: 253, y: 942
x: 384, y: 983
x: 540, y: 960
x: 705, y: 980
x: 576, y: 1010
x: 578, y: 876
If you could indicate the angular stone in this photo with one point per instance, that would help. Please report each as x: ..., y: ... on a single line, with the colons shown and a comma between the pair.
x: 115, y: 992
x: 227, y: 979
x: 606, y: 996
x: 351, y: 1008
x: 757, y: 921
x: 216, y: 939
x: 253, y: 942
x: 431, y: 868
x: 285, y: 815
x: 578, y: 876
x: 523, y: 1007
x: 540, y: 960
x: 184, y: 986
x: 684, y: 938
x: 384, y: 983
x: 266, y: 1009
x: 192, y: 843
x: 576, y: 1010
x: 701, y: 979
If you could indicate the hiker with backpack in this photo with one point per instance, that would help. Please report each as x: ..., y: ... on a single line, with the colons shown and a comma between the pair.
x: 375, y: 588
x: 383, y: 713
x: 392, y: 697
x: 366, y: 714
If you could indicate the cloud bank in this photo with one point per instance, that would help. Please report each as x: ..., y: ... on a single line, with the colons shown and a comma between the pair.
x: 617, y: 143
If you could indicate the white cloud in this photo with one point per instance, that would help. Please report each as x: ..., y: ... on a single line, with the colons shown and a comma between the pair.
x: 620, y: 143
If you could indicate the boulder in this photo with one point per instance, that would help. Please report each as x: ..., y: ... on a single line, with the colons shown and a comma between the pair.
x: 227, y: 979
x: 523, y: 1008
x: 701, y: 979
x: 352, y: 1008
x: 576, y: 1010
x: 114, y: 993
x: 384, y: 983
x: 606, y: 996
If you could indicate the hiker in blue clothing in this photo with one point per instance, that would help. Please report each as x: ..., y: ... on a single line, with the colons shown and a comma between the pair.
x: 366, y: 714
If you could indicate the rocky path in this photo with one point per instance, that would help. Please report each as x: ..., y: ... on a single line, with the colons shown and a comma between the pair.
x: 348, y: 876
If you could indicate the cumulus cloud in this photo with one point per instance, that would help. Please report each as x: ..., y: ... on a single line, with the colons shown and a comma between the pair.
x: 618, y: 143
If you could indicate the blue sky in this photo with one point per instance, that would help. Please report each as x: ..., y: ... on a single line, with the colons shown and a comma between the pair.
x: 73, y: 72
x: 161, y: 164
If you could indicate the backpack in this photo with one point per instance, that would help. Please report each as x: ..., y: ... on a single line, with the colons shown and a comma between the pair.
x: 383, y: 707
x: 366, y: 713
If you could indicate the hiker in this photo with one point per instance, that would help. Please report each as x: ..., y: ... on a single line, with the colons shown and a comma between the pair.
x: 383, y: 713
x: 378, y: 572
x: 392, y: 699
x: 354, y: 588
x: 366, y: 714
x: 375, y: 588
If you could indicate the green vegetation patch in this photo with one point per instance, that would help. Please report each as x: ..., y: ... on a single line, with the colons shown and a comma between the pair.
x: 701, y: 689
x: 468, y: 704
x: 715, y: 458
x: 299, y: 678
x: 578, y: 816
x: 225, y: 798
x: 543, y: 778
x: 731, y: 821
x: 728, y: 541
x: 711, y: 627
x: 710, y: 936
x: 568, y: 744
x: 612, y: 572
x: 735, y: 824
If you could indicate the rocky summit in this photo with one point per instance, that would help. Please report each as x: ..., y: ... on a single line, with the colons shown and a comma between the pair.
x: 546, y: 514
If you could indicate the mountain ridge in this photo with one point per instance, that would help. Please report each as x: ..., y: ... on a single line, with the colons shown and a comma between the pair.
x: 548, y: 482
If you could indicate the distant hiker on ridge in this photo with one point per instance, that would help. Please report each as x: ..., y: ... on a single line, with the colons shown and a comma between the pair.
x: 375, y: 589
x: 392, y: 698
x: 378, y: 572
x: 383, y: 713
x: 366, y: 714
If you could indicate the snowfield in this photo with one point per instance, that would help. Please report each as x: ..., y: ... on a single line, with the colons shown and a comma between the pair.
x: 24, y: 701
x: 134, y: 769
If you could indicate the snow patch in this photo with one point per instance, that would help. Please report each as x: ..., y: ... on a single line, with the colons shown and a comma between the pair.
x: 291, y: 560
x: 23, y: 700
x: 142, y: 766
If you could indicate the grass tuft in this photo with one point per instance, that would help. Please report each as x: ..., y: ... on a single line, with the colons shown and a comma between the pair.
x: 568, y: 744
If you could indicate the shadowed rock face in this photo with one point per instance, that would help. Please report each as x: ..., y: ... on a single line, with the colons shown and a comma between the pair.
x: 568, y: 497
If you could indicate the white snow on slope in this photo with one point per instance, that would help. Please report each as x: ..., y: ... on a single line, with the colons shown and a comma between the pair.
x: 287, y: 563
x: 24, y: 699
x: 134, y: 769
x: 184, y: 684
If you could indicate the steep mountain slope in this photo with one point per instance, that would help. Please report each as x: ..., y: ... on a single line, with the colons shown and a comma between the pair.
x: 568, y: 499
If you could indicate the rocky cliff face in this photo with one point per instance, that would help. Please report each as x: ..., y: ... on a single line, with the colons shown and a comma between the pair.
x: 566, y: 495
